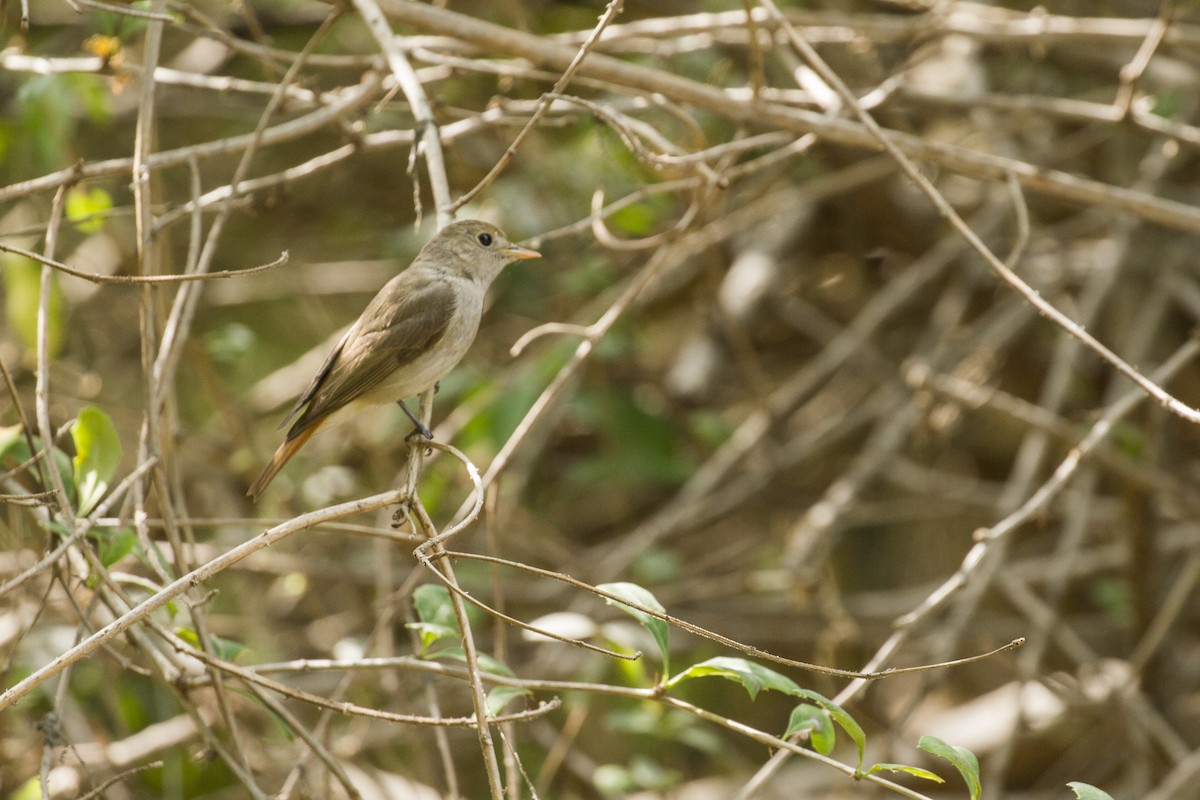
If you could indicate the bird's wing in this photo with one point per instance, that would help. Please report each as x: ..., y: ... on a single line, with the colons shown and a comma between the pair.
x: 389, y: 335
x: 317, y: 379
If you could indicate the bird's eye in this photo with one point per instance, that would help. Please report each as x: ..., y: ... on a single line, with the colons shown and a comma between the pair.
x: 485, y: 239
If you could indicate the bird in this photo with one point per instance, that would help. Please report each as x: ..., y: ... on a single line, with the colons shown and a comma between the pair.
x: 412, y: 333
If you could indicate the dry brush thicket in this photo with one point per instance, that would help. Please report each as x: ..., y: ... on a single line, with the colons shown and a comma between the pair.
x: 863, y: 337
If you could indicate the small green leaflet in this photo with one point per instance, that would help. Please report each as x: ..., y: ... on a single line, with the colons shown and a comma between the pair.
x: 436, y: 615
x: 14, y: 450
x: 1085, y: 791
x: 962, y: 759
x: 816, y: 723
x: 755, y: 677
x: 430, y: 634
x: 914, y: 771
x: 114, y: 544
x: 225, y: 649
x: 842, y: 718
x: 501, y: 696
x: 97, y: 454
x: 752, y: 677
x: 658, y: 628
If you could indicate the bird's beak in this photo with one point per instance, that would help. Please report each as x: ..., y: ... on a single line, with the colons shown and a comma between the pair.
x: 520, y: 253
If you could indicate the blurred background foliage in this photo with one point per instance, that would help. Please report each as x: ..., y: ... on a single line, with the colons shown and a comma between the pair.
x: 791, y: 436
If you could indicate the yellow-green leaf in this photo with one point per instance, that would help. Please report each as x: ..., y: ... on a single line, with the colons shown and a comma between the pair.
x: 22, y: 298
x: 88, y: 209
x: 97, y: 454
x: 916, y: 772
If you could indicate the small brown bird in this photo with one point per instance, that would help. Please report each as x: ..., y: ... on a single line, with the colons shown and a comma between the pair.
x: 412, y: 333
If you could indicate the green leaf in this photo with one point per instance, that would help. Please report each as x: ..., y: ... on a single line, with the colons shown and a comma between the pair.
x: 501, y: 696
x: 226, y: 649
x: 436, y: 611
x: 430, y: 634
x: 914, y: 771
x: 88, y: 209
x: 658, y: 628
x: 753, y: 677
x: 962, y: 759
x: 97, y: 454
x: 433, y: 606
x: 1085, y: 791
x: 22, y: 298
x: 432, y: 602
x: 13, y: 446
x: 842, y: 718
x: 14, y: 451
x: 816, y: 723
x: 115, y: 544
x: 188, y: 635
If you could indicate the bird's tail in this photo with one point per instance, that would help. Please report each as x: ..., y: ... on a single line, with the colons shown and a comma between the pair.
x: 281, y: 457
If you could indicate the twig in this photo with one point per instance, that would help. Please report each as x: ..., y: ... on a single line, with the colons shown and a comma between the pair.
x: 890, y: 143
x: 775, y: 742
x: 470, y: 652
x: 833, y: 129
x: 611, y: 12
x: 194, y: 578
x: 749, y: 650
x: 1132, y: 72
x: 120, y: 776
x: 1038, y: 500
x: 42, y: 387
x: 426, y: 124
x: 426, y: 562
x: 127, y: 11
x: 133, y: 280
x: 346, y: 101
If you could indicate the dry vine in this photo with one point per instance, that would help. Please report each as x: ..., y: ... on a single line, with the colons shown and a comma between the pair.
x: 841, y: 347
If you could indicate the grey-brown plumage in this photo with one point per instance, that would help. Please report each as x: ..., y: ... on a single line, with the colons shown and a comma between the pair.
x: 412, y: 333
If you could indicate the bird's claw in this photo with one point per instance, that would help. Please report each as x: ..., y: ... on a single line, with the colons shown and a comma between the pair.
x: 419, y: 432
x: 400, y: 517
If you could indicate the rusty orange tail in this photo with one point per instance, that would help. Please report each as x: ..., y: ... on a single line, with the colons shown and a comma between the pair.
x: 281, y: 457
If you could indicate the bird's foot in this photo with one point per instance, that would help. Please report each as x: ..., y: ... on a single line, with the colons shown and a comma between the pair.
x: 418, y: 433
x: 400, y: 517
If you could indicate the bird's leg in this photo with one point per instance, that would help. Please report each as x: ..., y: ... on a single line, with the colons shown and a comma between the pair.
x: 421, y: 429
x: 403, y: 509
